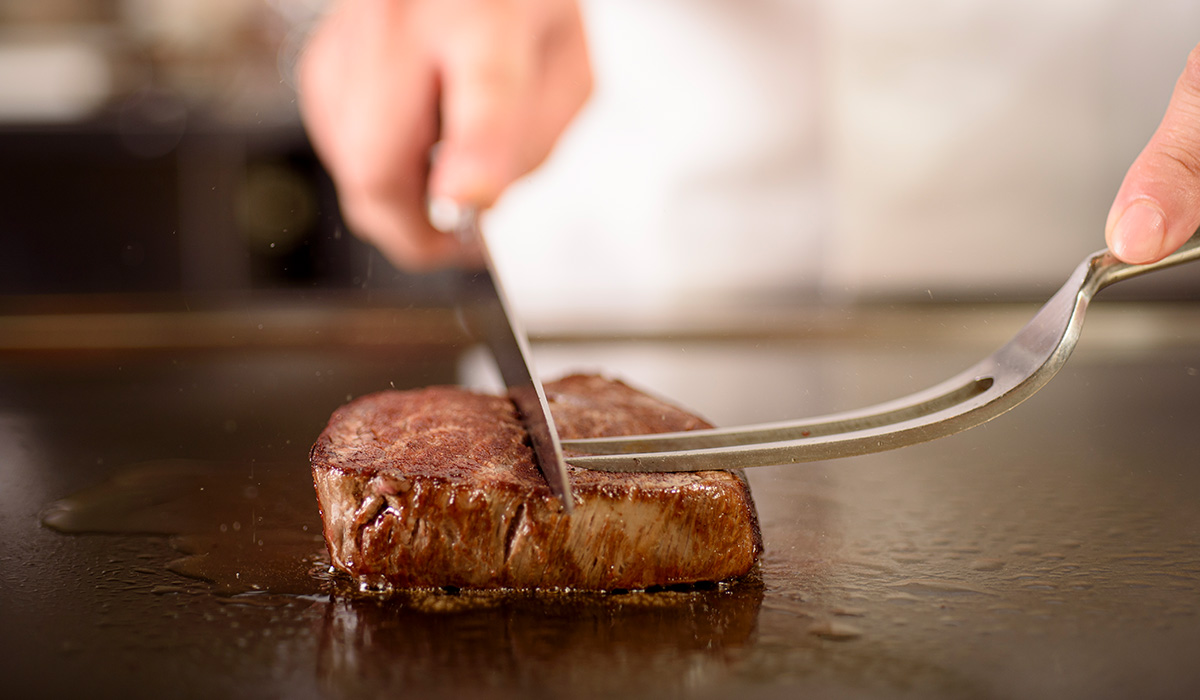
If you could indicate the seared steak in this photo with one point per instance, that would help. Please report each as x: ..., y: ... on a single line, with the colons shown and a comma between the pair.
x: 438, y: 487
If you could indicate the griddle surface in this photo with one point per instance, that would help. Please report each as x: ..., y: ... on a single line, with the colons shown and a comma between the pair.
x: 1054, y: 552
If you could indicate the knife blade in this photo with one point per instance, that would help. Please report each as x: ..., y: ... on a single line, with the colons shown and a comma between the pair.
x: 489, y: 317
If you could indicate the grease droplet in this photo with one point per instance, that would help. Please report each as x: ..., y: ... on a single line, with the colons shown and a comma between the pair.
x: 834, y: 630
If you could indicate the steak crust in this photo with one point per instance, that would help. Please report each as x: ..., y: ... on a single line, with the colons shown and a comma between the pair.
x: 438, y: 487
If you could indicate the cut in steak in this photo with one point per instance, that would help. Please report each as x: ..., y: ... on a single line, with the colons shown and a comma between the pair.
x: 438, y: 487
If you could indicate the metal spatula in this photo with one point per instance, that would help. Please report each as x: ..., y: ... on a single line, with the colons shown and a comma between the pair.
x: 996, y: 384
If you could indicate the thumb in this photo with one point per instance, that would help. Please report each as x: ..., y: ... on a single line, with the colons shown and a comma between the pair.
x: 1157, y: 207
x: 486, y: 78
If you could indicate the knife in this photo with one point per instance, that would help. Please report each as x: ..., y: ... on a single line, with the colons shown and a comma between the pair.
x: 489, y: 318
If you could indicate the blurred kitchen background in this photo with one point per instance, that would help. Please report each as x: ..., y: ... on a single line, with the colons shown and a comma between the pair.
x: 766, y: 152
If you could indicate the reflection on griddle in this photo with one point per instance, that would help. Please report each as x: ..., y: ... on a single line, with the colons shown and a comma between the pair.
x: 240, y: 527
x: 250, y: 533
x: 422, y: 641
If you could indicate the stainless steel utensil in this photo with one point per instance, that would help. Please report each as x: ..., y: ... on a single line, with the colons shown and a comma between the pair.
x: 490, y: 319
x: 996, y: 384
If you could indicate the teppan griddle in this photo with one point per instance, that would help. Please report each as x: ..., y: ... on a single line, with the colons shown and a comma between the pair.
x: 1054, y: 552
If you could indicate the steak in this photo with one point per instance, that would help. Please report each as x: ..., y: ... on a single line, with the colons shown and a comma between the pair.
x: 437, y: 487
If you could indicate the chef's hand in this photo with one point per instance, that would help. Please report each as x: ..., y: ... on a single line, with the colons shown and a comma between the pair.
x: 1158, y: 205
x: 494, y: 81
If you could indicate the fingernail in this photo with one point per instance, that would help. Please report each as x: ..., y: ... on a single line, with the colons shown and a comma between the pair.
x: 445, y: 214
x: 465, y: 178
x: 1138, y: 234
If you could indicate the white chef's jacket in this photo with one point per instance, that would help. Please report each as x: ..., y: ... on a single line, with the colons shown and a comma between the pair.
x: 839, y: 147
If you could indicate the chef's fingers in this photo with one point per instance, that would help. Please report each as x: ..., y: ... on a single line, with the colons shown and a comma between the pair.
x: 1157, y: 207
x: 398, y: 227
x: 487, y: 71
x: 512, y: 79
x: 564, y: 85
x: 368, y: 95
